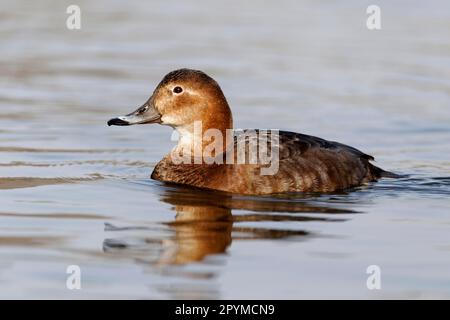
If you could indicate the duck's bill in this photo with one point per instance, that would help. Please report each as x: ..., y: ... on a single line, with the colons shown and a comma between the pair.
x: 145, y: 114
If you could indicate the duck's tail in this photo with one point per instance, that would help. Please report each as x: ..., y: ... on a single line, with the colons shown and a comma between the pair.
x: 378, y: 173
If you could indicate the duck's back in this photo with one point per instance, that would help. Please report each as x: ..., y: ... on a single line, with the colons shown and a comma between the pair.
x: 305, y: 164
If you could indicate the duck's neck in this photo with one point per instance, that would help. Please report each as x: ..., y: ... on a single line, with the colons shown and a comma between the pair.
x: 202, y: 139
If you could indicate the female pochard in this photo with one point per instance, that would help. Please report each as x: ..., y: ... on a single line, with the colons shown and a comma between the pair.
x: 210, y: 155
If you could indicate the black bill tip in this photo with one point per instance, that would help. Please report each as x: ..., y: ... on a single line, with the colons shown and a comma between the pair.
x: 118, y: 122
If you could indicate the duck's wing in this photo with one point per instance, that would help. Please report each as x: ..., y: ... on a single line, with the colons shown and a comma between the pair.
x: 292, y: 144
x: 308, y: 163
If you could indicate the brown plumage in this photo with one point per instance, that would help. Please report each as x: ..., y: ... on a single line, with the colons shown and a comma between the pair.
x: 305, y: 163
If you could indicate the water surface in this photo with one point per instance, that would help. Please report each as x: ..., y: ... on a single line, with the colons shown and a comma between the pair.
x: 75, y: 192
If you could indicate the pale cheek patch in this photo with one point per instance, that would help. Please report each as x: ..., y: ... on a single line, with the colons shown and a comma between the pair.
x: 170, y: 120
x: 181, y: 117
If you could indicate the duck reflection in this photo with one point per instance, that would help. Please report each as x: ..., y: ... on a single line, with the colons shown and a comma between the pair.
x: 207, y: 222
x: 199, y: 232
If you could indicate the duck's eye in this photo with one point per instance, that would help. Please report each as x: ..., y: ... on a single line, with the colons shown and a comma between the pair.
x: 178, y: 89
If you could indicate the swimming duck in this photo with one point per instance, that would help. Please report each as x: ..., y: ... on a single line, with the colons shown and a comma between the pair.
x: 304, y: 163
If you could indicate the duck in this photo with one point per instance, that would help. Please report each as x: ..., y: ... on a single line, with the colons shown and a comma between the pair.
x: 193, y: 104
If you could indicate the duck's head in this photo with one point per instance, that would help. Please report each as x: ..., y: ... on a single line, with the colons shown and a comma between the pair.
x: 181, y: 98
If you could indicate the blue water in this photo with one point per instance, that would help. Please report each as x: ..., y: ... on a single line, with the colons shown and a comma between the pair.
x: 75, y: 192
